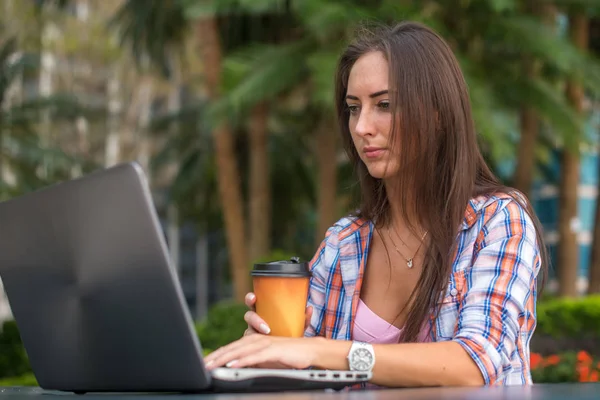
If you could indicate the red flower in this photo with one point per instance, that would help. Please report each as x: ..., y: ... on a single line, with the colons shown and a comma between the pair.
x: 535, y: 360
x: 584, y: 357
x: 584, y: 373
x: 552, y: 360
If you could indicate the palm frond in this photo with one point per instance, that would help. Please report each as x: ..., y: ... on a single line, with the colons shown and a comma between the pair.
x: 194, y: 9
x: 533, y: 37
x: 150, y: 28
x: 269, y: 71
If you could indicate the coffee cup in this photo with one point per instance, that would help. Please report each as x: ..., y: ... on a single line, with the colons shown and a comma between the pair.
x: 281, y: 290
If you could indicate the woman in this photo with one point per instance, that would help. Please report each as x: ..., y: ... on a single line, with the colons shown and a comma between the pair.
x: 439, y: 268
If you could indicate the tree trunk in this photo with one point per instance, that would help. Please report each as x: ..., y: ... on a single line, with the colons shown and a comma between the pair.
x: 46, y: 86
x: 260, y: 185
x: 115, y: 108
x: 568, y: 252
x: 327, y: 184
x: 227, y: 171
x: 525, y: 165
x: 526, y: 150
x: 594, y: 273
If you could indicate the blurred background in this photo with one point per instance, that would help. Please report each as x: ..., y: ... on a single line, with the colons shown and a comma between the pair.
x: 228, y: 106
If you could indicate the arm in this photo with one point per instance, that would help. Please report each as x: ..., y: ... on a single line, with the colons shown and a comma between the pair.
x: 407, y: 364
x: 498, y: 309
x: 499, y: 284
x: 321, y: 266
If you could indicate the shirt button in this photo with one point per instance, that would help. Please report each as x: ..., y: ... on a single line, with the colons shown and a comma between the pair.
x: 454, y: 292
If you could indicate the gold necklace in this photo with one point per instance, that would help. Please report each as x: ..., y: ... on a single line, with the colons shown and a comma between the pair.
x: 409, y: 261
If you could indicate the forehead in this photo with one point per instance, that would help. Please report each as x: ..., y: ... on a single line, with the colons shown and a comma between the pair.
x: 369, y: 74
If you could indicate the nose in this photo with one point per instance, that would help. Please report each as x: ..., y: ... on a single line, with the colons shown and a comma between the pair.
x: 364, y: 125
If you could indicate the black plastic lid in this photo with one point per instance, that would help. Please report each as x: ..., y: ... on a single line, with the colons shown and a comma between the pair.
x: 289, y: 268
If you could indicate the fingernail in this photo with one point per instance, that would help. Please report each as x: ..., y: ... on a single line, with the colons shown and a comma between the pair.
x: 250, y: 296
x: 208, y: 363
x: 231, y: 363
x: 264, y: 329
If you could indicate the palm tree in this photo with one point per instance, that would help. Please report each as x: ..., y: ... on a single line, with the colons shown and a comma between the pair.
x: 154, y: 26
x: 529, y: 119
x: 568, y: 252
x: 21, y: 147
x: 594, y: 272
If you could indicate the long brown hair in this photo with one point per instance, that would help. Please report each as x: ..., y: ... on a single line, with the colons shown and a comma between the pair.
x: 440, y: 168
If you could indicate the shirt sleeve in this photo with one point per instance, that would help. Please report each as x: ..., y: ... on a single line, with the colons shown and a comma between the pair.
x: 321, y: 266
x: 498, y: 288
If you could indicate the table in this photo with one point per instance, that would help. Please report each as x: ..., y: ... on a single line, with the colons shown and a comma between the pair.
x: 563, y: 391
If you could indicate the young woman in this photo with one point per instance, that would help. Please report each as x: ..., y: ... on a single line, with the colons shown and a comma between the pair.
x: 434, y: 281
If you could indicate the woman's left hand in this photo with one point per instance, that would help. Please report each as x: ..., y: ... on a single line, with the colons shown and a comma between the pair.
x: 252, y: 350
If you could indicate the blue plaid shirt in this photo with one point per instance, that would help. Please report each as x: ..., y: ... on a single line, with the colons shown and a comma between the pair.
x: 490, y: 304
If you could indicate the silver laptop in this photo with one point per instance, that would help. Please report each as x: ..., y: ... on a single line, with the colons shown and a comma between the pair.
x: 99, y: 307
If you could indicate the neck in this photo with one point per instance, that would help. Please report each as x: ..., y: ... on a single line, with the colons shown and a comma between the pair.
x: 402, y: 222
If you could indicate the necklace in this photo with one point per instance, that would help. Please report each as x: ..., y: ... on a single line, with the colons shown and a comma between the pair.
x: 409, y: 261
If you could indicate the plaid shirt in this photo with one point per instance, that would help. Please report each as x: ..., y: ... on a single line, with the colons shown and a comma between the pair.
x: 489, y: 307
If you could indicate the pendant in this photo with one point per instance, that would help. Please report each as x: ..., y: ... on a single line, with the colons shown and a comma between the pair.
x: 409, y: 263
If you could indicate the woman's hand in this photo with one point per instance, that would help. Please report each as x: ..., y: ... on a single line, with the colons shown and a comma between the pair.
x: 254, y: 350
x: 258, y: 325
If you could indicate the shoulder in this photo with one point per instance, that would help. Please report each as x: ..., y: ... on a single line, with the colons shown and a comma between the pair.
x: 503, y: 232
x: 348, y: 228
x: 348, y: 237
x: 500, y: 213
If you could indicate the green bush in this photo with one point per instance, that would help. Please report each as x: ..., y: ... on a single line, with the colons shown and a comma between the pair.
x: 562, y: 317
x: 13, y: 358
x: 223, y: 325
x: 27, y: 379
x: 275, y: 255
x: 568, y: 325
x: 565, y: 367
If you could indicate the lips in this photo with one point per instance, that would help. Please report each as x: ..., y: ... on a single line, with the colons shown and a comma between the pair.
x: 373, y: 152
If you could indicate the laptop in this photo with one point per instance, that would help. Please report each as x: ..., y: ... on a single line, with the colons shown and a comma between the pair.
x: 100, y: 308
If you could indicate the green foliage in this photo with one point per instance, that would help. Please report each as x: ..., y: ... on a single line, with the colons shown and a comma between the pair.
x: 27, y: 379
x: 275, y: 255
x: 151, y: 28
x: 13, y: 358
x: 223, y: 325
x: 22, y: 149
x: 571, y: 366
x: 554, y: 369
x: 564, y: 317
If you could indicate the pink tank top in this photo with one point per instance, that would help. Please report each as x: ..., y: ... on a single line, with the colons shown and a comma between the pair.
x: 371, y: 328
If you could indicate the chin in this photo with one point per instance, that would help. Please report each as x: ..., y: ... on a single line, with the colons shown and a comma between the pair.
x: 380, y: 172
x: 380, y: 169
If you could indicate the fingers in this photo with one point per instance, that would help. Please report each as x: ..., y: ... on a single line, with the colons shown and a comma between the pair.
x: 262, y: 356
x: 249, y: 331
x: 250, y: 300
x: 230, y: 354
x: 256, y: 323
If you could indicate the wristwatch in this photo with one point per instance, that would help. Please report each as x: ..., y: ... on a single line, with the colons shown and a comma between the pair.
x: 361, y: 357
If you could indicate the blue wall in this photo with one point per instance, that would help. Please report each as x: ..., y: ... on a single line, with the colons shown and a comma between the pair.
x: 546, y: 203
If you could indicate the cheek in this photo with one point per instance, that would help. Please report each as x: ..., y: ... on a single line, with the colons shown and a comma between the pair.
x: 384, y: 124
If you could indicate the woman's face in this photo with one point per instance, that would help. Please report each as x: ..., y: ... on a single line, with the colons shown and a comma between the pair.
x: 370, y: 119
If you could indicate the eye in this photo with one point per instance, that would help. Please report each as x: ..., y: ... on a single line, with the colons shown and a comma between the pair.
x: 384, y: 105
x: 353, y: 109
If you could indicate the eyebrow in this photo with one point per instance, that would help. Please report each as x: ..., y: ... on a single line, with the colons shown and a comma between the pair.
x: 372, y: 95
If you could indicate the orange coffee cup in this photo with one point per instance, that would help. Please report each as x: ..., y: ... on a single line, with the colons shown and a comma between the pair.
x: 281, y: 290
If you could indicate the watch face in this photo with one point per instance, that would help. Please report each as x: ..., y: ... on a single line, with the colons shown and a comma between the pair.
x: 361, y: 359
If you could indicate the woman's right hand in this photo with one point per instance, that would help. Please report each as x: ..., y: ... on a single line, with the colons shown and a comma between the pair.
x: 256, y: 324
